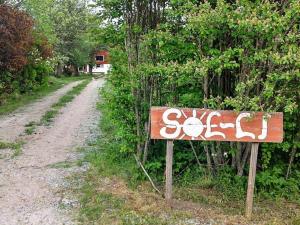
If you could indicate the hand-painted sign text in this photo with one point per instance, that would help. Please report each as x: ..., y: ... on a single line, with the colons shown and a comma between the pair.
x: 204, y: 124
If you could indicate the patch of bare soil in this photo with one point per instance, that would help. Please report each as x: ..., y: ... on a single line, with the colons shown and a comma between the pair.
x: 13, y: 125
x: 31, y: 185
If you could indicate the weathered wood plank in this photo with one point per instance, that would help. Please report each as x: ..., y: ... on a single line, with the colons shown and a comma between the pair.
x: 215, y: 125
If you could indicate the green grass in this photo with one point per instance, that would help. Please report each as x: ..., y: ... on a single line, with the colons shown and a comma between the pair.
x: 104, y: 201
x: 296, y: 221
x: 48, y: 117
x: 108, y: 198
x: 15, y: 102
x: 16, y: 147
x: 30, y: 128
x: 110, y: 194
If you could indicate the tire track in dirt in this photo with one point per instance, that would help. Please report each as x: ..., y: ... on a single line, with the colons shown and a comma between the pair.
x: 13, y: 125
x: 31, y: 190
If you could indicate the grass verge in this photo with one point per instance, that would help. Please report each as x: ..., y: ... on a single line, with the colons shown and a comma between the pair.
x: 17, y: 101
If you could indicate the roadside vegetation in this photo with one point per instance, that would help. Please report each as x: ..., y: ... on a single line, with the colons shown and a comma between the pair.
x: 40, y: 42
x: 116, y: 191
x: 225, y: 55
x: 239, y: 56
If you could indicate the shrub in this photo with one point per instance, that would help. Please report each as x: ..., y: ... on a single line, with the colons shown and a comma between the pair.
x: 16, y: 38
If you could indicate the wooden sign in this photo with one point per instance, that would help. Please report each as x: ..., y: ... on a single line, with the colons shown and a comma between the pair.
x: 215, y: 125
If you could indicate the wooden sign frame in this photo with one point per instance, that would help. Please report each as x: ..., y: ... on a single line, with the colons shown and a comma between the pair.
x: 215, y: 125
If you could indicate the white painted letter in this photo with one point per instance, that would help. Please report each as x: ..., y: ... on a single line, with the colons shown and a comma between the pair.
x: 239, y: 132
x: 171, y: 124
x: 264, y: 130
x: 208, y: 132
x: 226, y: 125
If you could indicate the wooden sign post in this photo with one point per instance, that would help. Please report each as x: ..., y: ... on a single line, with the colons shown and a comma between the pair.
x: 251, y: 180
x: 169, y: 172
x: 215, y: 125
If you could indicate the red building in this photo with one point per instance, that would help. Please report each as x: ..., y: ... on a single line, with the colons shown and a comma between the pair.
x: 101, y: 65
x: 102, y: 57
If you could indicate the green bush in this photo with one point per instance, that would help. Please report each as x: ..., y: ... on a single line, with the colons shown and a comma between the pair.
x: 272, y: 183
x: 229, y: 184
x: 32, y: 77
x: 219, y: 55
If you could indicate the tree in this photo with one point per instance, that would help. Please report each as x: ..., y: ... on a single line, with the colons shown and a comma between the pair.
x: 16, y: 38
x: 24, y: 53
x: 70, y: 20
x: 42, y: 13
x: 67, y: 25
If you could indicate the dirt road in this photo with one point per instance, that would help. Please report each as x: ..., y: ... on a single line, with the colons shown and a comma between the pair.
x: 13, y: 125
x: 31, y: 185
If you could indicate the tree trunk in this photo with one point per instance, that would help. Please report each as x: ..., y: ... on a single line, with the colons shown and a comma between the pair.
x: 59, y: 70
x: 147, y: 127
x: 208, y: 159
x: 206, y: 94
x: 214, y: 155
x: 76, y: 70
x: 233, y: 161
x: 293, y: 153
x: 244, y: 160
x: 90, y: 69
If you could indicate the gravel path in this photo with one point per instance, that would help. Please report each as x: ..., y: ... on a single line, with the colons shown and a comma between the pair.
x: 31, y: 185
x: 13, y: 125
